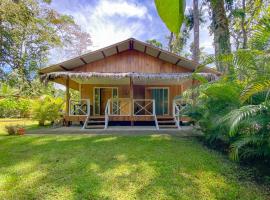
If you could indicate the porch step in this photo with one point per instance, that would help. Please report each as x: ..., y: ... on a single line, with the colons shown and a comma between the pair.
x: 167, y: 126
x: 166, y: 122
x: 95, y: 127
x: 95, y: 123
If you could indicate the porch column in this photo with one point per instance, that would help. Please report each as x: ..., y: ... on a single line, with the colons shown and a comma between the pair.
x: 67, y: 96
x: 131, y: 97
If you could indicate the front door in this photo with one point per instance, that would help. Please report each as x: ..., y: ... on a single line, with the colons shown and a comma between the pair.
x: 161, y: 97
x: 102, y: 95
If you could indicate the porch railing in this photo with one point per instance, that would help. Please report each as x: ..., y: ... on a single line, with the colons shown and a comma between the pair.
x: 129, y: 107
x: 119, y: 107
x: 79, y: 107
x: 144, y: 107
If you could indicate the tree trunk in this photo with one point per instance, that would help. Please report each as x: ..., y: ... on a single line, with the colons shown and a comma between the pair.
x: 196, y: 48
x: 170, y: 42
x: 243, y: 25
x: 220, y: 28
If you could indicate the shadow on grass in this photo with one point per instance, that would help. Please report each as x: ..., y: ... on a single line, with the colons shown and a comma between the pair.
x: 116, y: 167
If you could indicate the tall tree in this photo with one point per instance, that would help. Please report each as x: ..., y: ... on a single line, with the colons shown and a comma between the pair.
x: 220, y: 28
x: 244, y: 17
x: 28, y: 30
x: 196, y: 31
x: 170, y: 43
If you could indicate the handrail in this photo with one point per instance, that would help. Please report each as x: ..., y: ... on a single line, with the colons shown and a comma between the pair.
x: 107, y: 113
x: 176, y: 114
x: 85, y: 122
x: 154, y: 113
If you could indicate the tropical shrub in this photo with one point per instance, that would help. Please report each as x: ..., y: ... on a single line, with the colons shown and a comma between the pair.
x: 213, y: 102
x: 15, y: 130
x: 15, y: 107
x: 47, y: 108
x: 234, y: 112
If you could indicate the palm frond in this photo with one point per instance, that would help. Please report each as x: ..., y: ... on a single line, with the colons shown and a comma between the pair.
x: 255, y: 88
x: 242, y: 142
x: 261, y: 35
x: 235, y: 117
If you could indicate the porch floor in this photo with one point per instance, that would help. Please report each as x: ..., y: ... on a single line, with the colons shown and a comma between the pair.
x: 125, y: 130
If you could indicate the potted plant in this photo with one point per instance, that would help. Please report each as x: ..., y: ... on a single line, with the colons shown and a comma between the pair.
x: 21, y: 131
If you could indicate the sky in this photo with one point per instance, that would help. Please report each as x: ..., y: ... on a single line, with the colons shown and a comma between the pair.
x: 111, y: 21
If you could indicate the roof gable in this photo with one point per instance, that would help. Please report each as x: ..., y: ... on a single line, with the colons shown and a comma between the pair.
x: 129, y: 44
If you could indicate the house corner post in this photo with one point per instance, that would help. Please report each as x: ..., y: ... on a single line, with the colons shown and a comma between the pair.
x: 67, y: 96
x: 131, y: 97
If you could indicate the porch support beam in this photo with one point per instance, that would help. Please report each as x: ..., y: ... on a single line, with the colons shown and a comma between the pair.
x: 63, y: 68
x: 177, y: 61
x: 103, y: 54
x: 131, y: 97
x: 158, y: 54
x: 67, y: 96
x: 145, y: 47
x: 83, y: 61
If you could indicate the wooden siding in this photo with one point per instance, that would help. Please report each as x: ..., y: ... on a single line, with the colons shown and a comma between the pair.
x: 131, y: 61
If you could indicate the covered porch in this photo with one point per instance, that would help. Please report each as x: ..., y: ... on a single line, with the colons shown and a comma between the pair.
x: 108, y: 99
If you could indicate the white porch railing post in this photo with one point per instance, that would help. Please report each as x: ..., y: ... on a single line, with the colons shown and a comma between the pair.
x: 107, y: 113
x: 154, y: 113
x: 176, y: 114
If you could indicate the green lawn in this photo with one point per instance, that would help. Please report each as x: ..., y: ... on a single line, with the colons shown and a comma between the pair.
x: 27, y: 123
x: 118, y: 167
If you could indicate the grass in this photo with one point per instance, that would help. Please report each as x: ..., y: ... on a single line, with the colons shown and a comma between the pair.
x: 118, y: 167
x: 27, y: 123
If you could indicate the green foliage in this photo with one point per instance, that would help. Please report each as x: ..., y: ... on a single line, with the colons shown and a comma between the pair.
x: 15, y: 107
x: 47, y: 108
x: 213, y: 102
x: 155, y: 43
x: 261, y: 32
x: 254, y: 88
x: 29, y: 29
x: 13, y: 129
x: 172, y: 13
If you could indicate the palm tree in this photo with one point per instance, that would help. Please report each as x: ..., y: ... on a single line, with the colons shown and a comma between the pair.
x: 220, y: 28
x: 196, y: 31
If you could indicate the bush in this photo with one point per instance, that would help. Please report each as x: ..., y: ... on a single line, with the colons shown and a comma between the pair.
x: 15, y: 130
x: 15, y: 107
x: 47, y: 108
